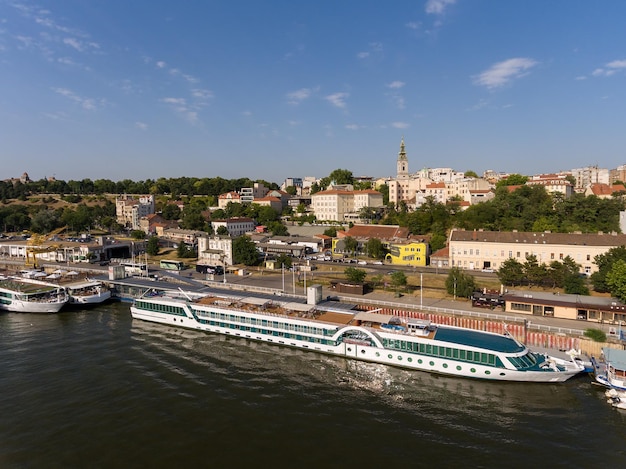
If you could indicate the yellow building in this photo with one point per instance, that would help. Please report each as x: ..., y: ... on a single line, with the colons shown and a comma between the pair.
x: 410, y: 253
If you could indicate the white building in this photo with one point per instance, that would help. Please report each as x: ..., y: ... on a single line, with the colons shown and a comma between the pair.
x: 236, y: 226
x: 341, y: 205
x: 129, y: 210
x: 215, y: 250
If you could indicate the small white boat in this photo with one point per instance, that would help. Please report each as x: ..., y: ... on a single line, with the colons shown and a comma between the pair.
x: 616, y: 398
x: 88, y: 292
x: 611, y: 370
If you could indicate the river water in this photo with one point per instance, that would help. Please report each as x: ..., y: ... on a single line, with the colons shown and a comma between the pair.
x: 97, y: 389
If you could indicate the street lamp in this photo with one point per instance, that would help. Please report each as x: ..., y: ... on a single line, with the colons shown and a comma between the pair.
x: 454, y: 288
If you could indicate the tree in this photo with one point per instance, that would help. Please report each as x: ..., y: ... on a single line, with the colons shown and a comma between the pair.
x: 616, y: 280
x: 534, y: 272
x: 471, y: 174
x: 605, y: 262
x: 278, y: 229
x: 152, y: 247
x: 375, y: 248
x: 350, y: 244
x: 511, y: 272
x: 245, y: 251
x: 398, y: 279
x: 355, y: 275
x: 171, y: 212
x: 332, y: 232
x: 291, y: 190
x: 222, y: 231
x: 341, y: 176
x: 284, y: 260
x: 460, y: 283
x: 138, y: 234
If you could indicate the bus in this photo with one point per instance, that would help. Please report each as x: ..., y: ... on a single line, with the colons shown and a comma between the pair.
x: 172, y: 265
x: 134, y: 268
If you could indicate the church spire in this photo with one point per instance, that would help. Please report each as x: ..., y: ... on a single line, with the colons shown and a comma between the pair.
x: 403, y: 162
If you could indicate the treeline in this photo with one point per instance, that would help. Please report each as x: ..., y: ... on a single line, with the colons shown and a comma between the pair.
x: 172, y: 186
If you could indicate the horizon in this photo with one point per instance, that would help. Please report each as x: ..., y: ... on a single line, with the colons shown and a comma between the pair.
x: 289, y: 89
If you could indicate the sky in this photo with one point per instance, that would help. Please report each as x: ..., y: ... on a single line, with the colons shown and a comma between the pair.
x: 119, y: 89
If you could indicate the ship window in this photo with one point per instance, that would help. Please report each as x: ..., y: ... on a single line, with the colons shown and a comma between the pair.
x: 458, y: 367
x: 431, y: 363
x: 455, y: 353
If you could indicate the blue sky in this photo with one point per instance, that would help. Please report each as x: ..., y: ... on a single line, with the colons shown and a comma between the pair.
x: 138, y: 89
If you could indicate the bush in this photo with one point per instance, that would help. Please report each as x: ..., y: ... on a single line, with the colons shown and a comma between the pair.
x: 596, y: 335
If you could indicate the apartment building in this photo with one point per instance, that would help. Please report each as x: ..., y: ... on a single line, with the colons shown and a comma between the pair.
x: 215, y: 250
x: 341, y: 205
x: 236, y: 226
x: 489, y: 249
x: 130, y: 210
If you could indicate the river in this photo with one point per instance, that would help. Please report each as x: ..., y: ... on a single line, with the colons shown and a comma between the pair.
x: 97, y: 389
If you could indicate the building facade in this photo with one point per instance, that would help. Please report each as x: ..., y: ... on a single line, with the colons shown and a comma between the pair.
x: 130, y: 210
x: 489, y: 249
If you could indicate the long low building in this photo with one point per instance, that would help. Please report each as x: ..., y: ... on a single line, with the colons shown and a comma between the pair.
x: 489, y: 249
x: 565, y: 306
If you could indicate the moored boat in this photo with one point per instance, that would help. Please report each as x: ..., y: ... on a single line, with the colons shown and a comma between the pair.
x: 25, y: 295
x: 88, y: 292
x: 610, y: 371
x: 367, y: 336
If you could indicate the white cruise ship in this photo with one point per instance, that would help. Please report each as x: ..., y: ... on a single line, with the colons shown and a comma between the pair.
x: 24, y: 295
x: 367, y: 336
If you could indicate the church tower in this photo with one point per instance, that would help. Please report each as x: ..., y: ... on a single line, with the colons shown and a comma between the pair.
x: 403, y: 163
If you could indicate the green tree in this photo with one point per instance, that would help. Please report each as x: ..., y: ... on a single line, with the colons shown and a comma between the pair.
x: 375, y: 248
x: 331, y: 231
x: 222, y: 231
x: 534, y: 272
x: 355, y: 275
x: 291, y: 190
x: 605, y: 262
x: 575, y: 285
x: 350, y: 244
x: 171, y: 212
x: 511, y: 272
x: 471, y: 174
x: 245, y: 251
x: 616, y: 280
x: 460, y: 283
x: 398, y: 279
x: 138, y: 234
x: 152, y: 247
x: 285, y: 260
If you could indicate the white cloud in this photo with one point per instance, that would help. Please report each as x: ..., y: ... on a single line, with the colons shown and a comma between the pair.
x: 86, y: 103
x: 141, y: 125
x: 437, y: 7
x: 610, y: 69
x: 374, y: 47
x: 353, y: 127
x: 161, y: 64
x: 296, y: 97
x: 201, y: 94
x: 413, y: 25
x: 180, y: 106
x: 396, y: 84
x: 400, y: 125
x: 75, y: 43
x: 175, y: 101
x: 502, y: 73
x: 337, y: 99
